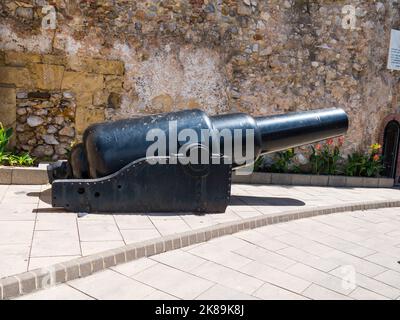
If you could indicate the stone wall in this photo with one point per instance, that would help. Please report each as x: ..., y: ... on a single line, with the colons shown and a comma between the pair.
x: 50, y: 99
x: 126, y: 58
x: 45, y: 123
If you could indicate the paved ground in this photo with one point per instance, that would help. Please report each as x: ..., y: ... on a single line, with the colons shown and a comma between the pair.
x: 351, y: 255
x: 32, y: 234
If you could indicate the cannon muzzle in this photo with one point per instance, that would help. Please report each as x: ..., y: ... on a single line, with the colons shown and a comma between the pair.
x: 285, y: 131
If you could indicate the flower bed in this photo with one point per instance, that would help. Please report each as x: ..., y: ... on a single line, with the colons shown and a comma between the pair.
x: 325, y: 159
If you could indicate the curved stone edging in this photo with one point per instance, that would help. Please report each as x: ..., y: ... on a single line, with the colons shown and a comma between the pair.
x: 31, y: 281
x: 312, y: 180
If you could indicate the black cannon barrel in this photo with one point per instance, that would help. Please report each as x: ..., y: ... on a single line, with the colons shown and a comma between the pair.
x: 108, y: 147
x: 284, y: 131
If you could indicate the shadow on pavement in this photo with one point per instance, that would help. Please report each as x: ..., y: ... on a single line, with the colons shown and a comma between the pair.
x: 264, y: 201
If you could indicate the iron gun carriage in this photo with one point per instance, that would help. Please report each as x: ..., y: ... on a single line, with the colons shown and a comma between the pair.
x: 176, y: 162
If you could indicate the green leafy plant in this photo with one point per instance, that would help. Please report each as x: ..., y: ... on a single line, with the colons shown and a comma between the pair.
x: 258, y: 164
x: 5, y: 136
x: 21, y: 160
x: 284, y: 162
x: 324, y: 158
x: 354, y: 164
x: 8, y: 158
x: 365, y: 165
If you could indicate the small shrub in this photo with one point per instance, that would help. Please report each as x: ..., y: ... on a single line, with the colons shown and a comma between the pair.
x: 365, y: 165
x: 5, y: 136
x: 284, y: 162
x: 324, y: 158
x: 8, y: 158
x: 21, y: 160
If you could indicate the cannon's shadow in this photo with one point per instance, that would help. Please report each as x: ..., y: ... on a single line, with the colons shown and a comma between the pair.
x: 261, y: 201
x: 45, y: 196
x: 265, y: 201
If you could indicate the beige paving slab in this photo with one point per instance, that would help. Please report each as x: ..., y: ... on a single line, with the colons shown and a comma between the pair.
x: 60, y: 292
x: 20, y: 212
x: 119, y: 287
x: 317, y: 292
x: 368, y: 283
x: 137, y: 235
x: 362, y: 266
x: 198, y: 221
x: 228, y: 277
x: 92, y: 247
x: 131, y: 268
x: 56, y: 223
x: 276, y: 277
x: 321, y: 278
x: 133, y: 221
x: 167, y: 226
x: 266, y: 257
x: 308, y: 259
x: 385, y: 260
x: 98, y: 230
x: 16, y: 232
x: 228, y: 243
x: 390, y: 277
x: 172, y: 281
x: 55, y: 243
x: 13, y: 258
x: 218, y: 292
x: 179, y: 259
x: 271, y: 292
x: 364, y: 294
x: 260, y: 240
x: 210, y: 252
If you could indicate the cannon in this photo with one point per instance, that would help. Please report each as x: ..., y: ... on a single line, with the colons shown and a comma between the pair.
x: 179, y: 161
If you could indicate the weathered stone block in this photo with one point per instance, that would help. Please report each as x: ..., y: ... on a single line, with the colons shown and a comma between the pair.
x: 46, y: 76
x: 76, y: 63
x: 106, y: 66
x: 82, y: 81
x: 281, y: 178
x: 301, y: 179
x: 54, y: 59
x: 354, y: 181
x: 8, y: 107
x: 337, y: 181
x: 113, y: 83
x: 319, y: 180
x: 17, y: 76
x: 21, y: 59
x: 187, y: 104
x: 84, y: 99
x: 386, y: 182
x: 86, y: 117
x: 2, y: 58
x: 100, y: 97
x: 261, y: 178
x: 5, y: 175
x: 161, y: 103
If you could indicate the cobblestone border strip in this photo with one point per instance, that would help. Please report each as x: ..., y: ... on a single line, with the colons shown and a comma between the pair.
x: 312, y: 180
x: 37, y: 279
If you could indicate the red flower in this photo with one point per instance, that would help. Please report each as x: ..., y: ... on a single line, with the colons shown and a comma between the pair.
x: 376, y: 157
x: 329, y: 142
x: 318, y: 147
